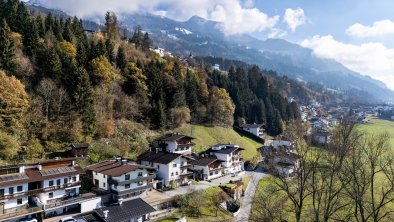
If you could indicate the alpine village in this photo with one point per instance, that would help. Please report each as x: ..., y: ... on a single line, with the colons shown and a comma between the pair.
x: 100, y: 123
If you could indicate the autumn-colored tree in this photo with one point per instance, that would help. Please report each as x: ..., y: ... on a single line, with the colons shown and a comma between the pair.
x: 14, y: 100
x: 102, y: 71
x: 67, y: 49
x: 221, y: 108
x: 9, y: 146
x: 179, y: 116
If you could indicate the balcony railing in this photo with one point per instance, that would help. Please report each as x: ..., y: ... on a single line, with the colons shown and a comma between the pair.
x: 69, y: 200
x: 40, y: 190
x: 20, y: 211
x: 136, y: 180
x: 186, y: 165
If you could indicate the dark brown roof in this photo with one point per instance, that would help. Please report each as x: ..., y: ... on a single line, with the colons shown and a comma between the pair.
x: 205, y: 161
x: 252, y: 125
x: 173, y: 137
x: 226, y: 150
x: 159, y: 157
x: 79, y: 145
x: 13, y: 179
x: 36, y: 175
x: 114, y: 168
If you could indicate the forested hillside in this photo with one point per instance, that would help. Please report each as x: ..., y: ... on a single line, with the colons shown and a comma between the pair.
x: 60, y: 84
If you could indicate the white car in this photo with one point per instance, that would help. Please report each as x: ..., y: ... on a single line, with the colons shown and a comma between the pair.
x: 68, y: 219
x: 28, y: 220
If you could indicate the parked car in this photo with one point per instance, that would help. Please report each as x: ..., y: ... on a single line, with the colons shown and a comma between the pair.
x: 68, y: 219
x: 28, y: 220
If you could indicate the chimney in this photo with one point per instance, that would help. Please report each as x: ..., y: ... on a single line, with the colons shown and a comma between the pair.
x: 105, y: 213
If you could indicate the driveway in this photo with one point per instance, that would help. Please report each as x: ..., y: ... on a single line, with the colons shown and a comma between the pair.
x: 204, y: 184
x: 247, y: 200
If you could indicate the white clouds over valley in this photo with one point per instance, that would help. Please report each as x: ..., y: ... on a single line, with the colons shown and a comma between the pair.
x: 372, y: 58
x: 235, y: 16
x: 378, y: 28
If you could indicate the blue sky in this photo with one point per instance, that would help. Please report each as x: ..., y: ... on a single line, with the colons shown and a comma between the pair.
x: 357, y: 33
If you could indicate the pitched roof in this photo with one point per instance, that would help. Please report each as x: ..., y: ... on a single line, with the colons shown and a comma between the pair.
x: 225, y: 150
x: 126, y: 211
x: 40, y: 175
x: 159, y: 157
x: 254, y: 125
x: 113, y: 168
x: 173, y: 137
x: 205, y: 161
x: 80, y: 145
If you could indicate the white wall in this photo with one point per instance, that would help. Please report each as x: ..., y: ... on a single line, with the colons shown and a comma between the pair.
x: 164, y: 170
x: 90, y: 205
x: 102, y: 178
x: 226, y: 158
x: 255, y: 131
x: 12, y: 203
x: 171, y: 146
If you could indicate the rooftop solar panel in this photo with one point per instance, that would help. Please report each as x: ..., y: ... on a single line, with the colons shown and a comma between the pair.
x: 12, y: 177
x: 60, y: 170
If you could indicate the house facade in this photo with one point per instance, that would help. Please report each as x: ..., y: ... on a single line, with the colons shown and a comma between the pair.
x: 230, y: 155
x: 207, y: 168
x: 255, y: 129
x: 169, y: 166
x: 41, y: 189
x: 121, y: 178
x: 174, y: 143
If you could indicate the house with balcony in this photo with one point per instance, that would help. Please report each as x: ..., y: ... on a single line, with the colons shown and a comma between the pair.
x: 121, y: 178
x: 229, y: 154
x: 207, y: 168
x: 285, y: 164
x: 174, y: 143
x: 170, y: 167
x: 42, y: 189
x: 255, y: 129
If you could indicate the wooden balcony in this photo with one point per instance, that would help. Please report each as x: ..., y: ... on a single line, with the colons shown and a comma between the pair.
x: 19, y: 211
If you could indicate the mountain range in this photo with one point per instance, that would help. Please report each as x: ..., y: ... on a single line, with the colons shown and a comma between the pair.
x: 202, y: 37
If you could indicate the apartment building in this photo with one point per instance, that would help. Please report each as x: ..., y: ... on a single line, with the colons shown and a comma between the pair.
x: 121, y: 178
x: 207, y: 168
x: 42, y: 189
x: 229, y: 154
x: 169, y: 166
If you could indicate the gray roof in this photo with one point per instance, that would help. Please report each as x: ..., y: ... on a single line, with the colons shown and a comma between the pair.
x: 252, y: 125
x: 159, y: 157
x: 205, y: 161
x: 173, y: 137
x: 80, y: 145
x: 128, y: 210
x: 227, y: 150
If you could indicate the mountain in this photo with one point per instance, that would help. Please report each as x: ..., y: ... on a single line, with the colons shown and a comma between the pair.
x: 203, y: 38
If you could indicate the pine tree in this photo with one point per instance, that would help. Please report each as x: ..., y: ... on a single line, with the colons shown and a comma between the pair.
x: 146, y: 43
x: 277, y: 127
x: 109, y: 46
x: 84, y: 101
x: 137, y: 37
x: 40, y: 25
x: 49, y: 22
x: 121, y: 59
x: 159, y: 114
x: 179, y: 98
x: 30, y: 38
x: 68, y: 35
x: 7, y: 48
x: 111, y: 25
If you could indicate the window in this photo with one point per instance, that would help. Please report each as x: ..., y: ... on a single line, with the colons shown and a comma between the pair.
x: 51, y: 183
x: 210, y: 173
x: 1, y: 192
x: 65, y: 180
x: 174, y: 165
x: 127, y: 177
x: 95, y: 173
x: 11, y: 190
x: 216, y: 172
x: 172, y: 174
x: 74, y: 179
x: 96, y: 182
x: 140, y: 174
x: 9, y: 171
x: 58, y: 182
x: 19, y: 201
x: 104, y: 184
x: 50, y: 195
x: 176, y: 173
x: 19, y: 188
x: 127, y: 186
x: 103, y: 175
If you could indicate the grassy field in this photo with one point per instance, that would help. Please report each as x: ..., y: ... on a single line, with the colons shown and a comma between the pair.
x: 377, y: 126
x: 207, y: 136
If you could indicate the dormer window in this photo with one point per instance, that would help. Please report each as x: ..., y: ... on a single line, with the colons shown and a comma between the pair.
x: 127, y: 177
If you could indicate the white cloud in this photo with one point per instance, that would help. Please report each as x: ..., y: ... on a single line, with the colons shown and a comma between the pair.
x: 277, y: 33
x: 378, y: 28
x: 235, y: 16
x: 373, y: 59
x: 294, y: 18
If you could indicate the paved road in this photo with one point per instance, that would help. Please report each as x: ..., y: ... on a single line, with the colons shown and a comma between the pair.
x: 204, y: 185
x: 247, y: 200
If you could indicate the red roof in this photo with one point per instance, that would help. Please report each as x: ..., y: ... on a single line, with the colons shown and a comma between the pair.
x: 113, y: 168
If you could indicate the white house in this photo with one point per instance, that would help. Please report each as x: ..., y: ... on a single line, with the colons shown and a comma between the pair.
x: 230, y: 155
x: 208, y: 168
x: 255, y: 129
x: 169, y: 166
x: 41, y: 189
x: 286, y: 164
x: 174, y: 143
x: 121, y: 178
